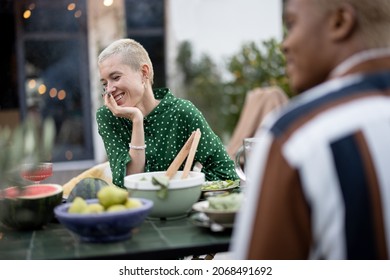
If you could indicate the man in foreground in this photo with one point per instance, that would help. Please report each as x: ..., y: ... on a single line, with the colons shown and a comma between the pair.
x: 320, y: 186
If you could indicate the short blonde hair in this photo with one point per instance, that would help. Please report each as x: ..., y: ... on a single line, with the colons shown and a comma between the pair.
x: 373, y: 19
x: 132, y: 53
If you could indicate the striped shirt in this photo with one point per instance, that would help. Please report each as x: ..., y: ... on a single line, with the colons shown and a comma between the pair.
x: 319, y: 184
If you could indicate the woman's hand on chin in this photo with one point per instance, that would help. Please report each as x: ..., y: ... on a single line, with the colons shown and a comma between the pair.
x: 132, y: 113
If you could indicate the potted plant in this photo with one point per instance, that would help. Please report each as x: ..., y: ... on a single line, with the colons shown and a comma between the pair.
x: 221, y: 100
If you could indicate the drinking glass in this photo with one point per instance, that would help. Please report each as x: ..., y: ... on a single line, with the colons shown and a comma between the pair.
x: 37, y: 172
x: 242, y: 156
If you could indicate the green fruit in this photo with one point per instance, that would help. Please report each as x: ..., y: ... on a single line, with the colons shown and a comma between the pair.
x: 116, y: 207
x: 94, y: 208
x: 87, y: 188
x: 78, y: 206
x: 112, y: 195
x: 133, y: 203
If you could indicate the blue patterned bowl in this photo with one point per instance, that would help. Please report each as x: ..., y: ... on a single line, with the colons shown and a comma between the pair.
x: 106, y: 226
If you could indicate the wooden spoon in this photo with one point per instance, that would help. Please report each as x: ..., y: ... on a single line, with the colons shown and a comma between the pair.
x: 191, y: 154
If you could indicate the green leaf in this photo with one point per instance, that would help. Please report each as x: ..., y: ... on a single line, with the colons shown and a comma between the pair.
x: 5, y: 136
x: 16, y: 149
x: 48, y: 137
x: 163, y: 182
x: 29, y: 140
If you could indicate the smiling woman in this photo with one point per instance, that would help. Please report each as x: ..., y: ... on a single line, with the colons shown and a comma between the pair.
x: 154, y: 120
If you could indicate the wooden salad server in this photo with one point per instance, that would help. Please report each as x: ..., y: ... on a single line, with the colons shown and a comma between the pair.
x: 188, y: 149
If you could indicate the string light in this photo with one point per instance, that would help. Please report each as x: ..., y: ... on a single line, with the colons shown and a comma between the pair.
x: 53, y: 92
x: 108, y: 3
x: 32, y: 83
x: 27, y: 14
x: 61, y: 94
x: 71, y: 6
x: 41, y: 89
x: 77, y: 14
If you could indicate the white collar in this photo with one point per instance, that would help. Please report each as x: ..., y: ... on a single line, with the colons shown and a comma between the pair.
x: 358, y: 58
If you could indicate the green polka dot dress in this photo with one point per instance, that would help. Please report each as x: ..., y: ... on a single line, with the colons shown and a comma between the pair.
x: 166, y: 128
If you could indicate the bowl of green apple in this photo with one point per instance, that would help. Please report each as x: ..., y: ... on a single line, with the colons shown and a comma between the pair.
x: 112, y: 216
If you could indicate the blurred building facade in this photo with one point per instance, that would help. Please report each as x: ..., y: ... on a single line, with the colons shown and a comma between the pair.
x: 50, y: 66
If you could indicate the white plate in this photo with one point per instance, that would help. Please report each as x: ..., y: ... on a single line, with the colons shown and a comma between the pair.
x: 200, y: 219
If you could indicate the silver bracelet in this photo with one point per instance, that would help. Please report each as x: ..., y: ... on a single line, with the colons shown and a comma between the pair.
x: 137, y: 147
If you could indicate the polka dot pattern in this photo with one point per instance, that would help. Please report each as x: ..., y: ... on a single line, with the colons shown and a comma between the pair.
x: 166, y: 128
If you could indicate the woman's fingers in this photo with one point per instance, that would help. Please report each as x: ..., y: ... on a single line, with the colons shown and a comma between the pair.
x: 131, y: 113
x: 110, y: 102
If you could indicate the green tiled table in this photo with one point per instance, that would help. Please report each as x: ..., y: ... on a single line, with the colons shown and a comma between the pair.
x: 153, y: 240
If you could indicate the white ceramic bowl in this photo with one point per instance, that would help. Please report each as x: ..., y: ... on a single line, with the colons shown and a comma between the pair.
x: 182, y: 193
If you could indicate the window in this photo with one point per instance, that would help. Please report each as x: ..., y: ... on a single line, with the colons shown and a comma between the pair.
x: 52, y: 55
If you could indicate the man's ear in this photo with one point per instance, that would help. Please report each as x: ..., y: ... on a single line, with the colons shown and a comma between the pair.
x: 343, y: 22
